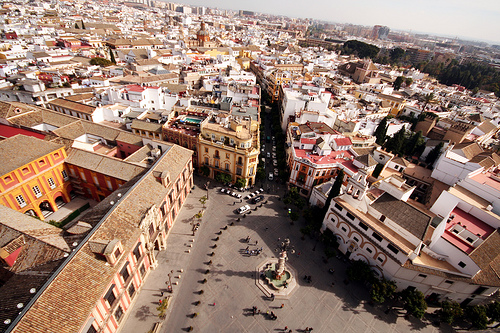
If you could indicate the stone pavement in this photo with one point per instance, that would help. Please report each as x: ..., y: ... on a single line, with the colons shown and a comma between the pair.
x: 231, y: 291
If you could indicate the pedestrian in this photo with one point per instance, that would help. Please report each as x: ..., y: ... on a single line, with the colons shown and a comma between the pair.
x: 256, y: 242
x: 286, y: 328
x: 234, y: 203
x: 272, y: 297
x: 213, y: 304
x: 160, y: 301
x: 247, y: 248
x: 279, y: 239
x: 282, y: 306
x: 161, y: 293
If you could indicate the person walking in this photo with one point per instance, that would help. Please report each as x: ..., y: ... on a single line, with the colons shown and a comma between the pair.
x: 282, y: 306
x: 272, y: 297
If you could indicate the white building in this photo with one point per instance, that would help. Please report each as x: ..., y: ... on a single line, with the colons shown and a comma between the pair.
x: 295, y: 101
x: 446, y: 252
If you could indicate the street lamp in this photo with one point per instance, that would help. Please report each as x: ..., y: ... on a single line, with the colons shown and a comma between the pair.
x: 170, y: 280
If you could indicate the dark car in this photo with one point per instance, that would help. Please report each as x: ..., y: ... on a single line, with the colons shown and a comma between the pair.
x: 257, y: 199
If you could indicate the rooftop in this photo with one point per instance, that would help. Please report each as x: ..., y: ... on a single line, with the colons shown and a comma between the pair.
x: 20, y: 150
x: 340, y: 156
x: 465, y: 231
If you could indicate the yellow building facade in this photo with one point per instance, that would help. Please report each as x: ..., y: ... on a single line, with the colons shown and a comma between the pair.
x: 231, y: 147
x: 34, y: 179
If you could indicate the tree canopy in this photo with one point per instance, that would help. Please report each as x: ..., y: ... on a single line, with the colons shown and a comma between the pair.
x: 361, y: 49
x: 381, y: 131
x: 398, y: 82
x: 101, y: 62
x: 414, y: 302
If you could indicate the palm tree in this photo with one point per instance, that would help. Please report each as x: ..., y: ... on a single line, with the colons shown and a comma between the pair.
x: 428, y: 99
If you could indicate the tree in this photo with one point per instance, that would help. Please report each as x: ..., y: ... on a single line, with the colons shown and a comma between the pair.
x: 414, y: 142
x: 203, y: 200
x: 408, y: 81
x: 100, y: 61
x: 381, y: 131
x: 428, y: 99
x: 240, y: 182
x: 76, y: 26
x: 493, y: 311
x: 397, y: 83
x: 205, y: 171
x: 414, y: 302
x: 434, y: 154
x: 361, y: 49
x: 450, y: 311
x: 382, y: 290
x: 112, y: 56
x: 223, y: 177
x: 83, y: 25
x: 334, y: 191
x: 378, y: 169
x: 397, y: 54
x: 477, y: 316
x: 359, y: 270
x: 396, y: 144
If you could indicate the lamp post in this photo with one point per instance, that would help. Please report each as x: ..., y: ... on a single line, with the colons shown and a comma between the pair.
x: 170, y: 280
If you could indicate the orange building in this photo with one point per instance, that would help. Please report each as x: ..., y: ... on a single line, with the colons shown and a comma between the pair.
x: 33, y: 176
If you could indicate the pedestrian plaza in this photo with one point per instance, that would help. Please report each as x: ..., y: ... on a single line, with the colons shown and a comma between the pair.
x: 227, y: 301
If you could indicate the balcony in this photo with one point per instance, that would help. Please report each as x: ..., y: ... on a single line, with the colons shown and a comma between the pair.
x: 217, y: 156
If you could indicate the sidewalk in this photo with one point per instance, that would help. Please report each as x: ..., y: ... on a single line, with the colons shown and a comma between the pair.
x: 143, y: 314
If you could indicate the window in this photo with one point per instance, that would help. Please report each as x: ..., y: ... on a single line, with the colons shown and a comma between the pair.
x: 118, y: 313
x: 382, y: 218
x: 117, y: 253
x: 206, y: 150
x: 343, y: 229
x: 25, y: 170
x: 8, y: 179
x: 350, y: 216
x: 377, y: 236
x: 36, y: 191
x: 124, y: 272
x: 449, y: 282
x: 41, y: 162
x: 51, y: 183
x: 227, y: 155
x: 369, y: 250
x: 363, y: 226
x: 393, y: 248
x: 142, y: 270
x: 92, y: 329
x: 131, y: 290
x: 462, y: 264
x: 356, y: 239
x: 20, y: 201
x: 422, y: 276
x: 110, y: 296
x: 65, y: 175
x: 227, y: 166
x: 338, y: 207
x: 83, y: 176
x: 110, y: 186
x: 206, y: 160
x: 380, y: 259
x: 137, y: 251
x: 238, y: 171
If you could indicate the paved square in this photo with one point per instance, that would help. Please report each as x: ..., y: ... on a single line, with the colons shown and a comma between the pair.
x: 231, y: 291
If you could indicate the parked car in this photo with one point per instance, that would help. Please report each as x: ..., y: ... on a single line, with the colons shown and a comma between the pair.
x: 275, y: 163
x: 257, y: 199
x: 270, y: 177
x: 268, y: 155
x: 276, y: 172
x: 243, y: 209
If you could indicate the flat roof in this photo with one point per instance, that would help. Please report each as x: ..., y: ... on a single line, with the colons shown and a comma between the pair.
x: 470, y: 223
x: 333, y: 157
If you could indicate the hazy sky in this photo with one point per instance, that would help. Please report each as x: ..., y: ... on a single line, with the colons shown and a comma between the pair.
x: 472, y: 19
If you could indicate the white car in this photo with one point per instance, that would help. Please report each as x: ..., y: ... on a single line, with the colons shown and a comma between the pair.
x: 270, y: 177
x: 243, y: 209
x: 276, y: 172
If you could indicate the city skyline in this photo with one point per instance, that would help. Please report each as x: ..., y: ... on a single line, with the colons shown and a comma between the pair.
x: 479, y: 20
